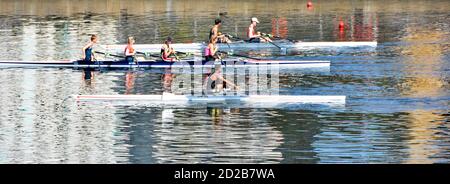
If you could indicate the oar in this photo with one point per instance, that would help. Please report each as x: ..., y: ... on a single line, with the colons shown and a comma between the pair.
x: 158, y: 56
x: 185, y: 53
x: 99, y: 68
x: 263, y: 37
x: 283, y: 50
x: 176, y: 57
x: 95, y: 60
x: 231, y: 50
x: 291, y: 40
x: 233, y: 37
x: 137, y: 62
x: 98, y: 52
x: 238, y: 55
x: 146, y: 54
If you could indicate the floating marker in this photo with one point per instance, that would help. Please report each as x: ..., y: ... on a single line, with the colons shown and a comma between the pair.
x: 341, y: 25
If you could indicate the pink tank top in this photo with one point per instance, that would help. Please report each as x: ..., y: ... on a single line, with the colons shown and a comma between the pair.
x: 207, y: 51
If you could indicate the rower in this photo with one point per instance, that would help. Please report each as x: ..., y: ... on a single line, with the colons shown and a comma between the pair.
x: 129, y: 51
x: 214, y: 32
x: 211, y: 50
x: 88, y: 55
x: 167, y: 50
x: 216, y: 82
x: 254, y: 36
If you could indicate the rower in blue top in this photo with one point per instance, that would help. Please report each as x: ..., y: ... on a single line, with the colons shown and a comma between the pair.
x: 88, y: 55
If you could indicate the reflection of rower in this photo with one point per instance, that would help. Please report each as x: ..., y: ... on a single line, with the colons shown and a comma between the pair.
x: 215, y: 81
x: 88, y: 55
x: 130, y: 79
x: 214, y: 33
x: 129, y: 51
x: 88, y: 74
x: 253, y: 35
x: 167, y: 50
x: 167, y: 79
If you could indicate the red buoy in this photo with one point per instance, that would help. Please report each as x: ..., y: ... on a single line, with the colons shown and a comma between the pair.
x: 309, y: 4
x: 341, y: 24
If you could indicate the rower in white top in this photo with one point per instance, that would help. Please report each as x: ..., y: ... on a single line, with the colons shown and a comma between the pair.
x: 255, y: 36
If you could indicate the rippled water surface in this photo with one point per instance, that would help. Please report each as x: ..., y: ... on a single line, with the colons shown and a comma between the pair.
x: 397, y: 108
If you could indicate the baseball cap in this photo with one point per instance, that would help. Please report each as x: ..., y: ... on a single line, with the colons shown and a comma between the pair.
x: 254, y: 19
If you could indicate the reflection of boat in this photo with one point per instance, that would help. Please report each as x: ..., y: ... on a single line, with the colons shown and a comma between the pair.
x: 163, y: 64
x: 264, y: 100
x: 191, y: 47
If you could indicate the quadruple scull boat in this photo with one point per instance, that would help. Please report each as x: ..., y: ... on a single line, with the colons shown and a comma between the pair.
x: 164, y: 64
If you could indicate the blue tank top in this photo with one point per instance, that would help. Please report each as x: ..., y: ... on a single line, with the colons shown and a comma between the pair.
x: 88, y: 54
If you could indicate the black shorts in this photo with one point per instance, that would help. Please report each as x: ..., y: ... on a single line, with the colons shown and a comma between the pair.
x: 129, y: 59
x: 255, y: 40
x: 210, y: 58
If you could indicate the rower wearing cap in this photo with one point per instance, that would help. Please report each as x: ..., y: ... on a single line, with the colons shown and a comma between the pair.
x: 167, y: 50
x: 214, y: 32
x: 211, y: 50
x: 129, y: 50
x: 88, y: 55
x: 254, y: 36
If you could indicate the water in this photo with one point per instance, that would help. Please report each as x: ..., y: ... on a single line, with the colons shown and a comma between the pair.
x: 397, y: 108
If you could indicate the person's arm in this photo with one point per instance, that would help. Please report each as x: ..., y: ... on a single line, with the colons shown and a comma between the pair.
x: 93, y: 56
x: 214, y: 49
x: 214, y: 52
x: 84, y: 49
x: 167, y: 51
x: 172, y: 51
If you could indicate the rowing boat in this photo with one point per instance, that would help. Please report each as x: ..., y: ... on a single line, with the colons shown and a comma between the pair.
x: 163, y: 64
x: 168, y: 98
x: 197, y: 47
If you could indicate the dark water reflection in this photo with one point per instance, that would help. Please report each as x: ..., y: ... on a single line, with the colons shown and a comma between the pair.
x: 398, y: 96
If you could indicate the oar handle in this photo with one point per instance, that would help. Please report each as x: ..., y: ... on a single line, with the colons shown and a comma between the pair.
x: 186, y: 53
x: 176, y: 57
x: 232, y: 37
